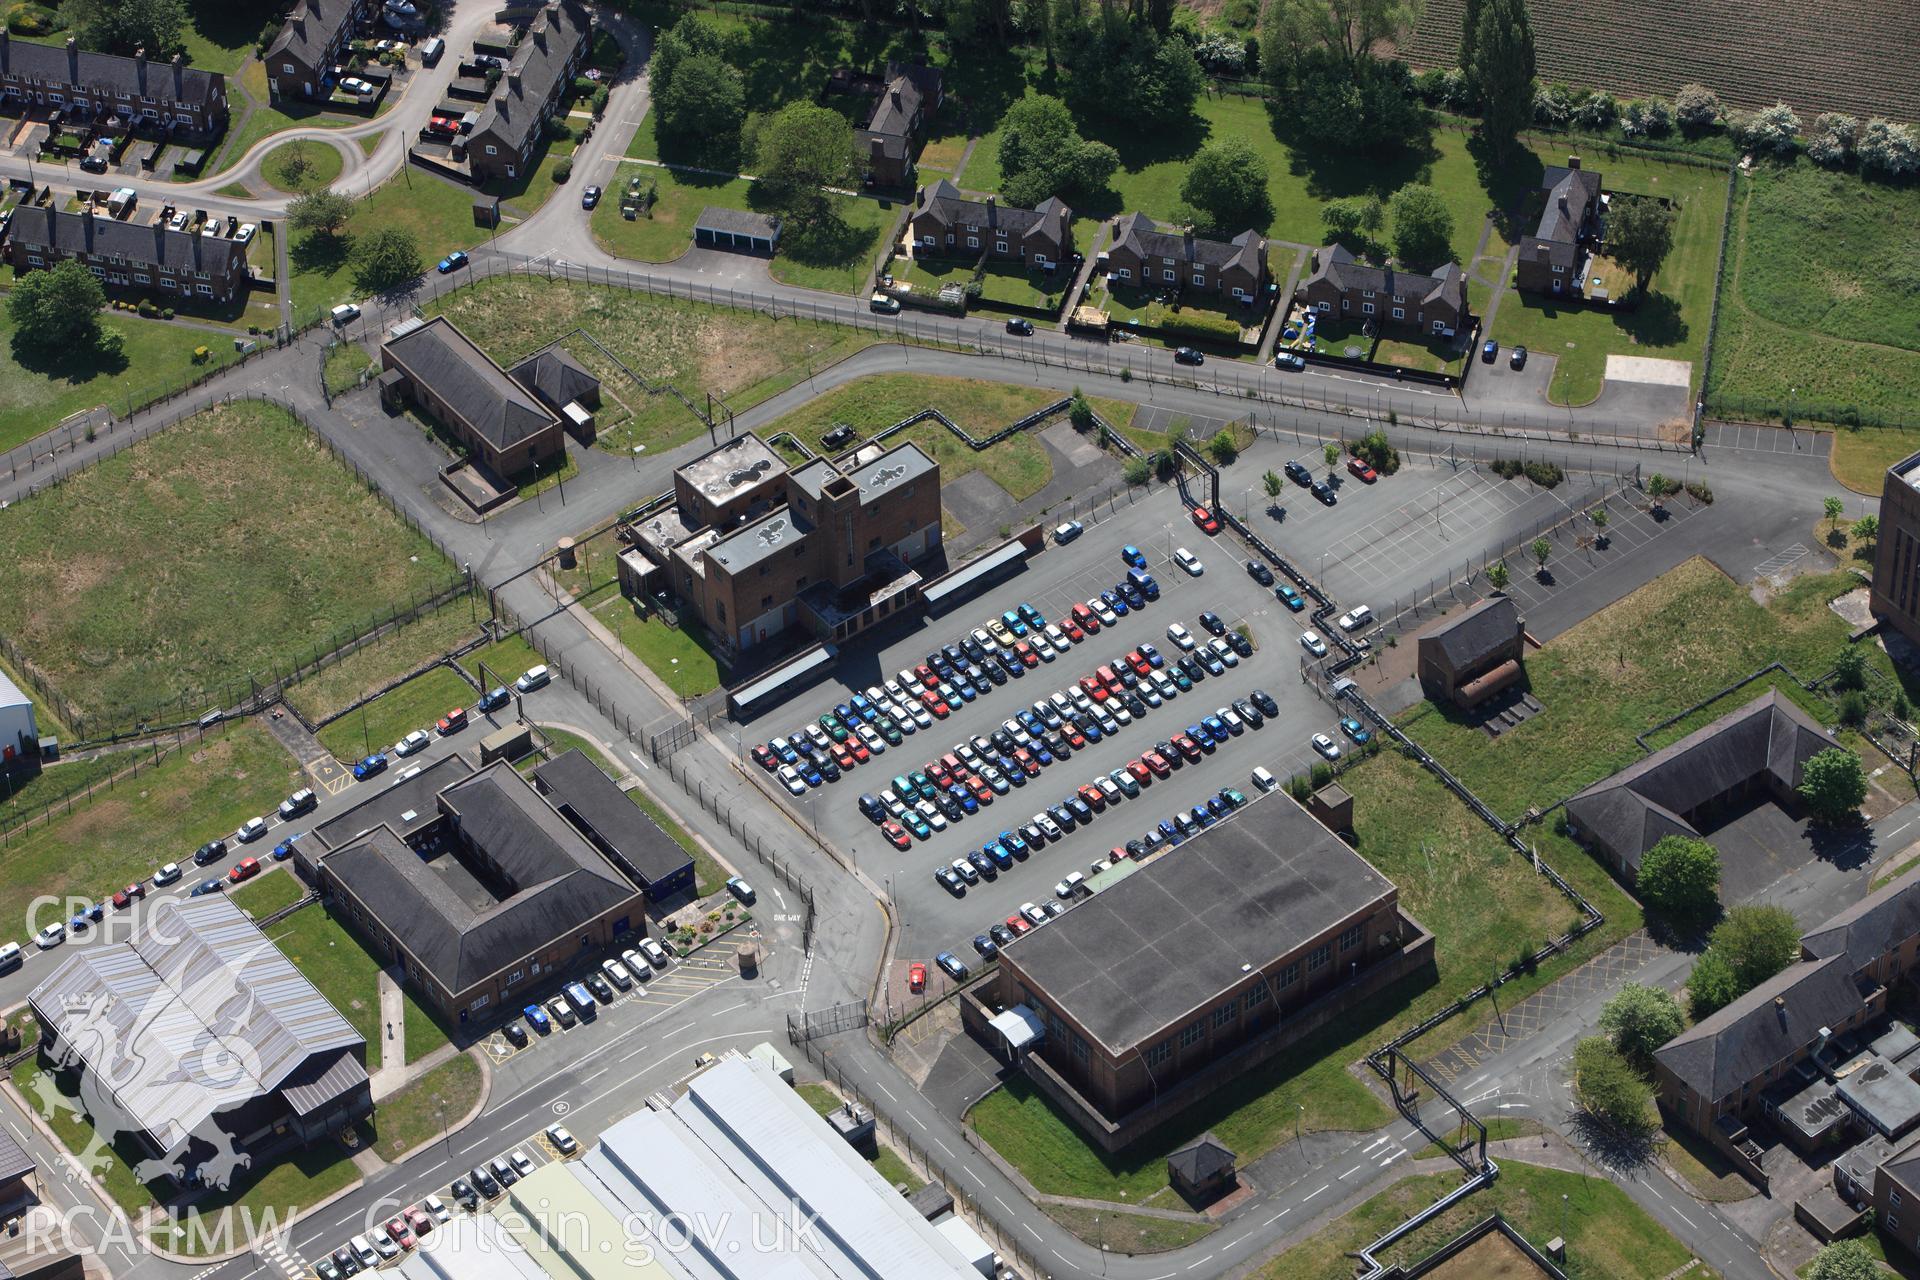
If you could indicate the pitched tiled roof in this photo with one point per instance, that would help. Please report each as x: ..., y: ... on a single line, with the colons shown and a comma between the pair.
x: 308, y: 30
x: 555, y: 377
x: 1141, y: 234
x: 109, y: 72
x: 445, y: 360
x: 540, y: 62
x: 1904, y: 1167
x: 1481, y: 630
x: 1337, y: 265
x: 1569, y: 193
x: 1745, y: 1040
x: 41, y: 226
x: 943, y: 203
x: 907, y: 90
x: 1203, y: 1158
x: 1634, y: 808
x: 1873, y: 927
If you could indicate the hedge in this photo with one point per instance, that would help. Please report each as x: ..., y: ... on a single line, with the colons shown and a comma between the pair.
x: 1193, y: 324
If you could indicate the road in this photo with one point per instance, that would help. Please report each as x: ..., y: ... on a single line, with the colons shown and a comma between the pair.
x: 1758, y: 490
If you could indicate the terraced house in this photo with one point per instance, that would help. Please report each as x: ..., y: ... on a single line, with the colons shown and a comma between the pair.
x: 301, y: 59
x: 536, y: 82
x: 104, y: 87
x: 947, y: 224
x: 130, y: 256
x: 1179, y: 262
x: 1342, y: 285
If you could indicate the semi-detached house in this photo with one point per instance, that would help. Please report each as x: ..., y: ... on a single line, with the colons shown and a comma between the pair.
x: 1178, y: 261
x: 312, y: 42
x: 947, y: 224
x: 99, y: 87
x: 128, y: 255
x: 537, y: 79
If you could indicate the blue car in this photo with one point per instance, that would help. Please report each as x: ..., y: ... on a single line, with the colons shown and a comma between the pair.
x: 453, y: 261
x: 367, y: 768
x: 1133, y: 557
x: 208, y: 886
x: 1201, y: 816
x: 863, y: 708
x: 986, y: 946
x: 1041, y: 755
x: 964, y: 798
x: 1091, y: 728
x: 1134, y: 599
x: 284, y: 850
x: 1217, y: 807
x: 1032, y: 615
x: 1168, y: 831
x: 998, y: 852
x: 537, y: 1018
x: 494, y: 699
x: 1216, y: 726
x: 966, y: 691
x: 1015, y: 845
x: 1355, y: 730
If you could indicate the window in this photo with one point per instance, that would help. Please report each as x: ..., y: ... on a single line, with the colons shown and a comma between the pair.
x: 1167, y: 262
x: 1318, y: 957
x: 1350, y: 938
x: 927, y: 240
x: 140, y: 277
x: 1366, y: 293
x: 1238, y: 292
x: 1079, y: 1049
x: 949, y: 237
x: 973, y: 242
x: 973, y: 226
x: 1123, y: 273
x: 1366, y: 308
x: 1399, y: 313
x: 1168, y: 276
x: 1257, y: 996
x: 1159, y: 1053
x: 1346, y: 304
x: 1191, y: 1033
x: 1893, y: 1196
x: 1439, y: 326
x: 1288, y: 976
x: 1226, y: 1013
x: 1399, y: 297
x: 287, y: 69
x: 1559, y: 270
x: 491, y: 150
x: 35, y: 260
x: 1322, y: 307
x: 1200, y: 277
x: 1893, y: 1221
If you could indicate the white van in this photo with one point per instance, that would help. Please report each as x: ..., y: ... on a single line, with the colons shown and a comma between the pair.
x: 363, y: 1253
x: 10, y: 958
x: 430, y: 51
x: 1263, y: 779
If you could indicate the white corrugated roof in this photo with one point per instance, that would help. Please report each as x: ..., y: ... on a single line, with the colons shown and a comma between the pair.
x: 11, y: 694
x: 471, y: 1247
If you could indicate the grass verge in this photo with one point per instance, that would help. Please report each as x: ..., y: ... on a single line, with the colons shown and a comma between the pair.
x: 678, y: 655
x: 401, y: 650
x: 1706, y: 1171
x: 321, y: 160
x: 377, y: 725
x: 1130, y: 1233
x: 419, y: 1112
x: 1499, y: 1128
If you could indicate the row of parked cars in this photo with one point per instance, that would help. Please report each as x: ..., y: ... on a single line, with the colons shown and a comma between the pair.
x: 580, y: 1001
x: 1005, y: 649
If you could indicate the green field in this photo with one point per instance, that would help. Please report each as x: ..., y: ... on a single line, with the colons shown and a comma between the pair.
x: 219, y: 36
x: 437, y: 212
x: 1649, y: 656
x: 141, y: 359
x: 323, y: 160
x: 1670, y: 324
x: 1860, y: 458
x: 392, y: 655
x: 506, y: 660
x: 838, y: 258
x: 185, y: 505
x: 268, y: 892
x: 377, y: 725
x: 741, y: 356
x: 1608, y: 1236
x: 334, y: 959
x: 162, y: 814
x: 1821, y: 312
x: 679, y: 655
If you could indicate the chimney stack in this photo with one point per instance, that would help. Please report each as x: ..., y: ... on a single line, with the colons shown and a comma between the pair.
x: 1573, y: 162
x: 1780, y: 1009
x: 513, y: 81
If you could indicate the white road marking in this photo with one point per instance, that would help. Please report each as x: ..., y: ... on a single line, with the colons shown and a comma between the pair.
x: 1316, y: 1193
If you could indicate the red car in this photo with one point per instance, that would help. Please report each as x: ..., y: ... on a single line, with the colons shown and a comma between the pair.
x: 764, y: 757
x: 1094, y: 689
x: 1084, y: 617
x: 859, y: 750
x: 1018, y: 923
x: 1072, y: 628
x: 1204, y: 518
x: 897, y: 834
x: 417, y: 1219
x: 1158, y: 763
x: 1075, y: 738
x: 1360, y: 468
x: 401, y: 1234
x: 924, y: 674
x: 939, y: 709
x: 917, y: 977
x: 1186, y: 746
x: 453, y: 722
x: 245, y: 869
x: 939, y: 773
x: 1025, y: 653
x: 981, y: 791
x: 1092, y: 795
x: 1139, y: 664
x: 1028, y: 765
x: 843, y: 755
x: 1139, y: 771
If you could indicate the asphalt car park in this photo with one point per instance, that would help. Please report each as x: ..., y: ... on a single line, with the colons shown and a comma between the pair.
x: 935, y: 918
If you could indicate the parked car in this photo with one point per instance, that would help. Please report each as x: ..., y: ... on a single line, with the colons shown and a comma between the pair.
x: 453, y: 261
x: 356, y: 86
x: 1187, y: 355
x: 250, y: 830
x: 1298, y: 473
x: 953, y: 966
x: 1289, y: 360
x: 562, y: 1139
x: 211, y: 851
x: 206, y: 887
x: 452, y: 722
x: 1355, y: 730
x: 1260, y: 573
x: 243, y: 871
x: 166, y: 875
x: 1362, y: 469
x: 1326, y: 746
x: 1205, y: 519
x: 368, y: 767
x: 740, y: 888
x: 1020, y: 328
x: 345, y: 312
x: 1355, y: 618
x: 1067, y: 531
x: 415, y: 741
x: 301, y: 801
x: 1488, y: 350
x: 1518, y: 359
x: 1324, y: 492
x: 590, y: 197
x: 493, y: 699
x: 1189, y: 561
x: 534, y: 678
x: 916, y: 977
x: 1313, y: 644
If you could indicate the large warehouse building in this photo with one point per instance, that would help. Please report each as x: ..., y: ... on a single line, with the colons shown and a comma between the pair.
x: 19, y: 735
x: 201, y: 1042
x: 1207, y: 961
x: 478, y: 884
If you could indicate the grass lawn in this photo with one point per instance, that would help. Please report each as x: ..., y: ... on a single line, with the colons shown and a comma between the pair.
x: 418, y: 1113
x: 504, y: 660
x: 217, y: 36
x: 437, y: 212
x: 1708, y: 1172
x: 346, y: 362
x: 1004, y: 282
x: 1818, y: 315
x: 1499, y: 1128
x: 524, y: 195
x: 1671, y: 324
x: 1130, y: 1233
x: 332, y: 959
x: 366, y: 669
x: 262, y: 121
x: 140, y: 359
x: 678, y: 655
x: 268, y: 893
x: 741, y: 356
x: 322, y: 158
x: 1608, y: 1236
x: 57, y: 1101
x: 161, y: 815
x: 379, y: 724
x: 1692, y: 631
x: 1860, y: 458
x: 185, y: 505
x: 1019, y: 465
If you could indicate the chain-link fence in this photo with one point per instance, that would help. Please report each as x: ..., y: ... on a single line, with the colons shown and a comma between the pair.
x: 17, y: 820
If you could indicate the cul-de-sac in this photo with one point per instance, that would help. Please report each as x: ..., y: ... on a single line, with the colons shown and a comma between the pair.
x: 931, y: 639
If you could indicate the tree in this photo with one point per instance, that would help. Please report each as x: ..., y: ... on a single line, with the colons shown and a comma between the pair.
x: 1042, y: 154
x: 298, y: 168
x: 1226, y: 187
x: 1500, y: 69
x: 57, y: 309
x: 384, y: 259
x: 1331, y: 453
x: 1844, y: 1260
x: 1696, y: 107
x: 1711, y: 986
x: 1422, y: 226
x: 1756, y: 943
x: 1335, y: 106
x: 1542, y: 549
x: 1354, y: 221
x: 1680, y: 876
x: 802, y: 148
x: 1600, y: 517
x: 702, y: 105
x: 1498, y: 575
x: 1127, y: 70
x: 1349, y: 30
x: 121, y: 26
x: 1640, y: 1020
x: 1831, y: 142
x: 1833, y: 784
x: 1639, y: 236
x: 320, y: 212
x: 1080, y: 411
x: 1469, y: 41
x: 1608, y: 1088
x: 1850, y: 667
x: 1891, y: 150
x: 1773, y: 131
x: 1867, y: 528
x: 1137, y: 471
x: 1222, y: 446
x: 1833, y: 507
x: 1271, y: 483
